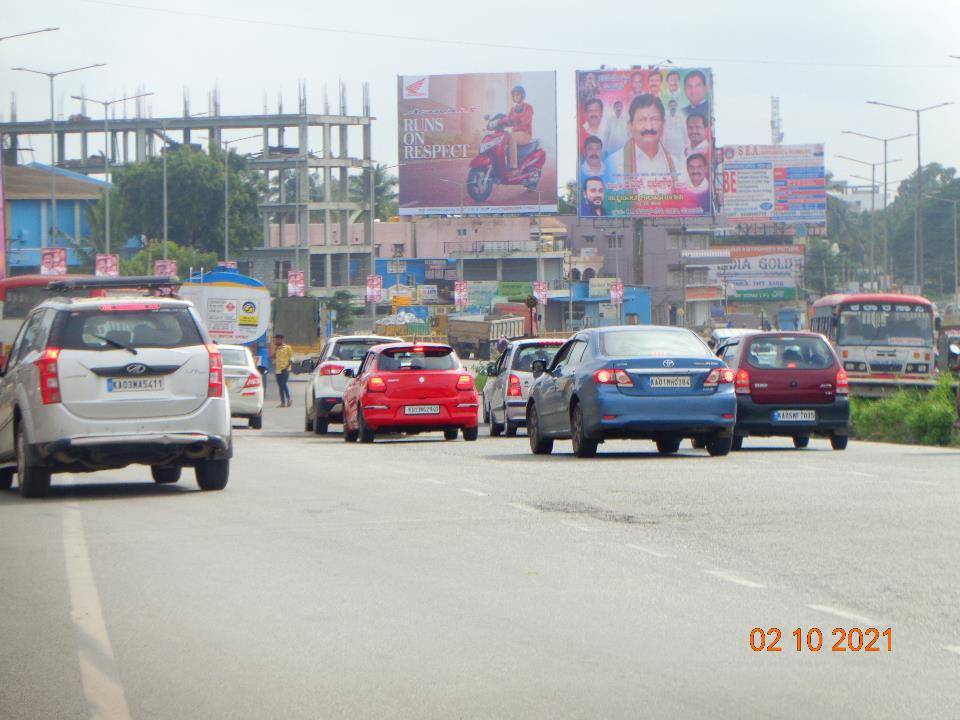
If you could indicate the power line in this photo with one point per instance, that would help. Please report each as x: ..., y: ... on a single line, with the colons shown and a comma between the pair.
x: 504, y: 46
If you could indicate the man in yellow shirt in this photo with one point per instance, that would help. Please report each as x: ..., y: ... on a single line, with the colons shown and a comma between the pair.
x: 281, y: 367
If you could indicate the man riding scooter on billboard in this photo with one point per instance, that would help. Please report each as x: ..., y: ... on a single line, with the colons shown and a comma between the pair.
x: 508, y: 154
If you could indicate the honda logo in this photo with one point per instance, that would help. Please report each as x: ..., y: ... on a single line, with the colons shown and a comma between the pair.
x: 415, y: 88
x: 136, y: 369
x: 668, y: 363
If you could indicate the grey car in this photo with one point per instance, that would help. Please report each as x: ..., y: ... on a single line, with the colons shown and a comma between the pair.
x: 509, y: 379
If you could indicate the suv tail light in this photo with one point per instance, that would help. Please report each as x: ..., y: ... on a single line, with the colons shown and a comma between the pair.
x: 513, y: 387
x: 376, y: 384
x: 742, y: 382
x: 719, y: 376
x: 215, y: 381
x: 49, y: 378
x: 842, y: 386
x: 611, y: 376
x: 329, y: 369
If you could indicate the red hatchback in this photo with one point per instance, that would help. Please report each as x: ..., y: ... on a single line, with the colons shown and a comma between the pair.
x: 788, y: 385
x: 409, y: 388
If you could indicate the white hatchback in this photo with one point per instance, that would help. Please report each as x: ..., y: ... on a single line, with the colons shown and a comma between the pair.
x: 98, y: 383
x: 244, y: 384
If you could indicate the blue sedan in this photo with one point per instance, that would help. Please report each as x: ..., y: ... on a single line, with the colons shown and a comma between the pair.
x: 648, y: 382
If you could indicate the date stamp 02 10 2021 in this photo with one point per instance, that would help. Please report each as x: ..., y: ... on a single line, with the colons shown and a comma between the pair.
x: 844, y: 640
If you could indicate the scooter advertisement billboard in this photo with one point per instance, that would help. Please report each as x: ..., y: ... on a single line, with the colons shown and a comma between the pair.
x: 645, y: 142
x: 477, y: 144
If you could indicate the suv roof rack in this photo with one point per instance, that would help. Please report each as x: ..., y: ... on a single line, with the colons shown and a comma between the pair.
x: 145, y: 282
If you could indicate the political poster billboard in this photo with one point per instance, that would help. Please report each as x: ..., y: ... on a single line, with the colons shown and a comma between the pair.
x: 106, y: 265
x: 758, y: 272
x: 53, y: 261
x: 774, y: 184
x: 645, y: 140
x: 481, y: 143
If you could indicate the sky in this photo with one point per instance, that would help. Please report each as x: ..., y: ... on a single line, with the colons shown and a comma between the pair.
x: 823, y: 59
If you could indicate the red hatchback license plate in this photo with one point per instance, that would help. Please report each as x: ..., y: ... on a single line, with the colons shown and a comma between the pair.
x: 422, y: 410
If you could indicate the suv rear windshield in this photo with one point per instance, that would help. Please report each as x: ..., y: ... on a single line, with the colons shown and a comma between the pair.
x: 233, y: 356
x: 154, y: 327
x: 352, y: 349
x: 425, y: 359
x: 652, y: 343
x: 790, y: 353
x: 524, y: 358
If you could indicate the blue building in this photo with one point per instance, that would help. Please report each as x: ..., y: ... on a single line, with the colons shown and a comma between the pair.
x: 27, y: 193
x: 596, y: 310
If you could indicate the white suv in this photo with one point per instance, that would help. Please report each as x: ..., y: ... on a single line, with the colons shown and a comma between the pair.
x: 324, y: 393
x: 98, y: 383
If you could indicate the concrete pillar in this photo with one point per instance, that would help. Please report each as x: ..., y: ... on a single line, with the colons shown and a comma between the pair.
x: 344, y: 196
x: 44, y: 225
x: 141, y: 145
x: 499, y: 269
x: 303, y: 182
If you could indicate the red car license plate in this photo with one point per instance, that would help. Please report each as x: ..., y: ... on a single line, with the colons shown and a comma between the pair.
x: 422, y: 410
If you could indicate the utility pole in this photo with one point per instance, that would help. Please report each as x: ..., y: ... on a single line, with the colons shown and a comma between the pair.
x: 53, y: 143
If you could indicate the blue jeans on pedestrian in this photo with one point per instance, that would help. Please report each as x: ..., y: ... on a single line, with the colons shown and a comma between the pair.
x: 282, y: 378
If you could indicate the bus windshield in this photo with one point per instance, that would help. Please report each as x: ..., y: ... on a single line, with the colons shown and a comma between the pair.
x: 887, y: 324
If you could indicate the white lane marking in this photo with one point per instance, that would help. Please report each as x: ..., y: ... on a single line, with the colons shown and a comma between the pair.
x: 734, y: 579
x: 98, y: 668
x: 574, y: 525
x: 955, y: 649
x: 861, y: 474
x: 472, y: 492
x: 647, y: 550
x: 845, y: 614
x: 521, y: 507
x: 922, y: 482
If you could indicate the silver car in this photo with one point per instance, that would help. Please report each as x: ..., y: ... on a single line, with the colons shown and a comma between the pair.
x: 509, y: 379
x: 98, y: 383
x: 324, y: 392
x: 244, y: 384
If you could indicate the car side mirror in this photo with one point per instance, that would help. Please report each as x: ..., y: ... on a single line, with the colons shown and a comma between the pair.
x: 350, y: 373
x: 954, y: 349
x: 538, y: 367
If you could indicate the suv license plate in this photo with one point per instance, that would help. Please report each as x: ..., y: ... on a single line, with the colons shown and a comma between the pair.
x: 134, y: 384
x: 422, y: 410
x: 795, y: 415
x: 670, y: 381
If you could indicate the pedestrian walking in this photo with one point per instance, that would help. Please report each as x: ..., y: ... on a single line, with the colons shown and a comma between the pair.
x: 282, y: 355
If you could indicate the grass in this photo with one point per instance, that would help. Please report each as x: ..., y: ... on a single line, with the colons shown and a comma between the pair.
x: 912, y: 417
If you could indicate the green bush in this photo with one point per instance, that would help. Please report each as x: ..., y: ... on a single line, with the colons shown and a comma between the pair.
x: 908, y: 417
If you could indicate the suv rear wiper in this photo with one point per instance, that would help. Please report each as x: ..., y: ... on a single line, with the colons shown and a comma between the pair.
x: 117, y: 343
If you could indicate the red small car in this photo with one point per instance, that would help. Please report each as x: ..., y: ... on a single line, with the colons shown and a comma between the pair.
x: 409, y: 388
x: 788, y: 384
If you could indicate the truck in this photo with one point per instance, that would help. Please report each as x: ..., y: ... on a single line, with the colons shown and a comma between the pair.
x: 476, y: 335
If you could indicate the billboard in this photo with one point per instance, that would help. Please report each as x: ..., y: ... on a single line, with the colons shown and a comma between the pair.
x: 296, y: 283
x: 774, y: 184
x: 235, y: 309
x: 106, y: 265
x: 758, y: 272
x: 482, y: 143
x: 645, y: 141
x: 374, y: 291
x: 53, y: 261
x: 167, y: 268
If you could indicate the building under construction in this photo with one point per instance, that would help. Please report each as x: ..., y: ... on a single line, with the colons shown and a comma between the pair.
x: 285, y: 154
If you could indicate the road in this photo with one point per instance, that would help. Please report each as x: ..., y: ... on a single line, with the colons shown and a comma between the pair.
x: 418, y: 578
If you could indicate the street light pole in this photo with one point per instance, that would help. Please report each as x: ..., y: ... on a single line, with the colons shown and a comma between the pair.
x: 32, y: 32
x: 226, y: 193
x: 887, y: 270
x: 106, y: 155
x: 956, y: 248
x: 53, y: 142
x: 918, y: 218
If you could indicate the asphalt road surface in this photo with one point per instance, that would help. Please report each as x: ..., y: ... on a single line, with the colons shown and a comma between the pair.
x: 417, y: 578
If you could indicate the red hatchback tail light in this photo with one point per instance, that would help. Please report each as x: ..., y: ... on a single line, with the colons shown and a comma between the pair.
x: 611, y: 376
x: 842, y: 386
x: 513, y: 387
x: 49, y: 378
x: 742, y: 382
x: 719, y: 376
x: 330, y: 369
x: 376, y: 384
x: 215, y: 381
x: 465, y: 382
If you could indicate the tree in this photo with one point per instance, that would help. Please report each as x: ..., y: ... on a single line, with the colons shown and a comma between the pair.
x: 186, y: 257
x: 384, y: 192
x: 567, y: 201
x: 195, y: 201
x: 342, y: 304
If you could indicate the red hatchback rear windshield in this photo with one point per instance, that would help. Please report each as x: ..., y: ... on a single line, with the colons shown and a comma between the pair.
x: 790, y: 353
x: 418, y: 359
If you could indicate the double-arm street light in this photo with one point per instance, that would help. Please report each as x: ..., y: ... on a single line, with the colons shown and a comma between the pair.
x: 886, y: 220
x: 105, y: 104
x: 956, y: 266
x: 32, y: 32
x: 873, y: 204
x: 53, y: 141
x: 226, y: 192
x: 918, y: 217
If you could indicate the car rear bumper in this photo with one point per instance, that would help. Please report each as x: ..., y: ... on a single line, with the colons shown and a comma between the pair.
x: 624, y: 416
x: 517, y: 412
x: 459, y: 414
x: 246, y: 406
x: 330, y: 408
x: 100, y: 452
x: 757, y: 419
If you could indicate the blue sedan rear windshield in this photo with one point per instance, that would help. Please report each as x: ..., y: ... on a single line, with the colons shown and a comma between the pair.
x: 652, y: 343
